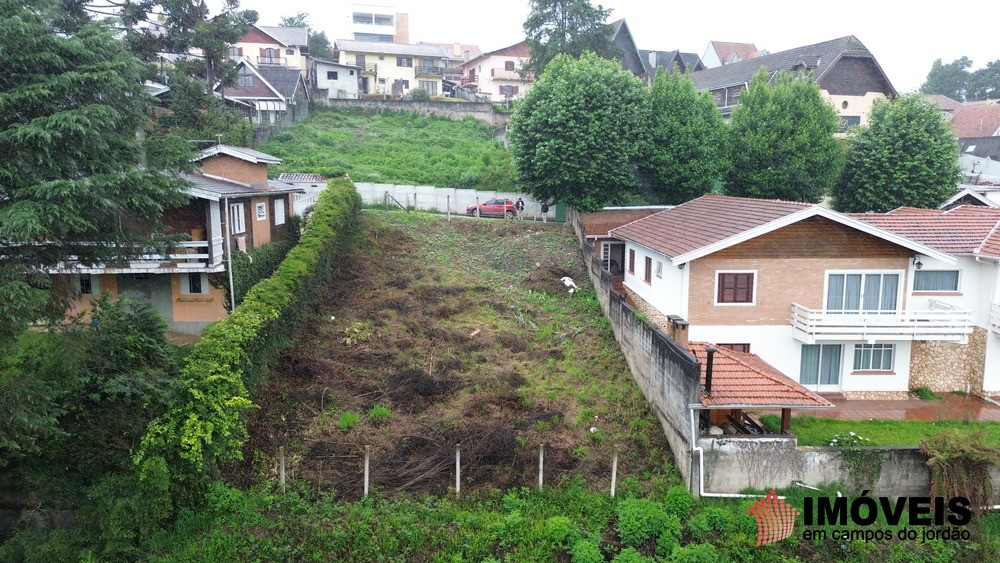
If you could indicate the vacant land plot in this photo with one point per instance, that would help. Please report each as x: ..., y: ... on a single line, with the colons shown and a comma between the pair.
x: 442, y: 333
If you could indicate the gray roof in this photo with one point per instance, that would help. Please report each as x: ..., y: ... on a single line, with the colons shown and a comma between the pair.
x: 300, y: 177
x: 983, y: 147
x: 287, y: 36
x: 241, y: 153
x: 209, y: 186
x: 319, y: 61
x: 819, y: 58
x: 391, y: 48
x: 285, y: 80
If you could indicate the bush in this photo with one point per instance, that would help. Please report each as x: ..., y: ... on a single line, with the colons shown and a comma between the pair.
x: 715, y: 521
x: 639, y: 520
x: 630, y: 555
x: 679, y: 502
x: 670, y: 537
x: 586, y: 551
x: 696, y: 553
x: 347, y: 421
x: 419, y: 95
x: 379, y: 413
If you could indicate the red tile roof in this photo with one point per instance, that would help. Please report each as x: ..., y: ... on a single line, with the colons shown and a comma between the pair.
x: 967, y: 229
x: 704, y: 221
x: 742, y: 379
x: 726, y: 49
x: 598, y: 224
x: 981, y: 120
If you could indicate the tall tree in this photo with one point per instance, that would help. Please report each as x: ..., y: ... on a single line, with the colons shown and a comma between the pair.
x: 72, y: 176
x: 575, y: 134
x: 319, y: 44
x: 683, y: 153
x: 906, y: 155
x: 782, y: 143
x: 948, y: 79
x: 569, y: 27
x: 984, y: 84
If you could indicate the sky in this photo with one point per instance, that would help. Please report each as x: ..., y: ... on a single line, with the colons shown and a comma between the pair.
x: 905, y: 39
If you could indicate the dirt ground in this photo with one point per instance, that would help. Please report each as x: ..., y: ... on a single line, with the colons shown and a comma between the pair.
x: 426, y: 321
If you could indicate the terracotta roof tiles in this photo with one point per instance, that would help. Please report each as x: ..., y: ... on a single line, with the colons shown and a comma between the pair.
x: 742, y: 379
x: 598, y: 224
x: 967, y: 229
x: 976, y: 120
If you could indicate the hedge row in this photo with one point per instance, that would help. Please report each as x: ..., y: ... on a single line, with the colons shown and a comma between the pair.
x: 206, y: 428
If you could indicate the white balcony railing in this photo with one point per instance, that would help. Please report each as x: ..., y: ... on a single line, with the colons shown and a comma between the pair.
x: 189, y: 255
x: 995, y: 317
x: 940, y: 322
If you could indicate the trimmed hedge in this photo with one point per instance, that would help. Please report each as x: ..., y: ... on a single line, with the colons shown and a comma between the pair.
x: 205, y: 428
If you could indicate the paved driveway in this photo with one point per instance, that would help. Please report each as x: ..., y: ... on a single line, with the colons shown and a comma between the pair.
x: 950, y: 407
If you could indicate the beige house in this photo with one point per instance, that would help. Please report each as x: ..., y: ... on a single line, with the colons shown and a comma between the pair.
x: 273, y: 46
x: 393, y: 68
x: 232, y: 207
x: 496, y: 74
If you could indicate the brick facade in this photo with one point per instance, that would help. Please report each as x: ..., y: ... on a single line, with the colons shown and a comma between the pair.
x: 235, y: 169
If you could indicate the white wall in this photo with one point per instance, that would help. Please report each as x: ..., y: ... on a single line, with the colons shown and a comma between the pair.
x: 430, y: 198
x: 344, y: 86
x: 668, y: 293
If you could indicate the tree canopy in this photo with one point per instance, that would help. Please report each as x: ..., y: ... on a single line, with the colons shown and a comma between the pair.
x: 685, y: 149
x: 905, y: 156
x: 72, y: 176
x: 567, y: 27
x: 575, y: 134
x: 782, y: 143
x: 948, y: 79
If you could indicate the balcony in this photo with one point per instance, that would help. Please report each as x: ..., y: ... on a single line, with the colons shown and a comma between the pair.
x: 504, y: 74
x: 995, y: 318
x: 188, y: 256
x: 429, y: 71
x: 280, y: 61
x: 940, y: 322
x: 472, y: 80
x: 367, y: 69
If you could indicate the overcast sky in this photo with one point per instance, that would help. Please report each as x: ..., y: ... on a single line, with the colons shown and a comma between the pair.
x: 905, y: 38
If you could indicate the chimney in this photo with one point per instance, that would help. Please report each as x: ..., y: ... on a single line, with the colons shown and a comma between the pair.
x: 708, y: 368
x: 457, y: 50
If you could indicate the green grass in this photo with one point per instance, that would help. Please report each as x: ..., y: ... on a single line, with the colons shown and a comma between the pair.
x: 814, y: 431
x: 394, y: 148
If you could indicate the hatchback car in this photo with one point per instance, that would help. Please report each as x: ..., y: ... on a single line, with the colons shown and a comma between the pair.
x: 496, y: 207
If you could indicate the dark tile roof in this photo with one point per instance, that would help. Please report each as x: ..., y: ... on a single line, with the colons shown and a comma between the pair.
x: 982, y: 147
x: 704, y: 221
x: 228, y: 188
x: 290, y: 36
x: 598, y: 224
x: 300, y: 177
x: 285, y: 80
x: 742, y: 379
x: 968, y: 229
x: 819, y: 58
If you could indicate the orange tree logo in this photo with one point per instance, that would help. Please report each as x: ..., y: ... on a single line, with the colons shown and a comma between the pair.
x: 775, y: 518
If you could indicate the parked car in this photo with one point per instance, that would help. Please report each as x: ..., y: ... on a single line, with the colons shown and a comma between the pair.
x: 496, y: 207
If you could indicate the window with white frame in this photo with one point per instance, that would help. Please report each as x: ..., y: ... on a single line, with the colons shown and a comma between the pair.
x: 873, y: 357
x: 820, y: 364
x: 659, y: 269
x: 237, y: 219
x: 89, y: 284
x: 862, y: 291
x: 261, y: 211
x: 935, y: 280
x: 279, y: 212
x: 194, y: 283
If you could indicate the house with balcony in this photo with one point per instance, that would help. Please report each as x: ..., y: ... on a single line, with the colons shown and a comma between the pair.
x: 232, y: 207
x: 848, y: 75
x: 497, y: 74
x: 273, y: 46
x: 393, y: 68
x: 842, y: 304
x: 268, y: 95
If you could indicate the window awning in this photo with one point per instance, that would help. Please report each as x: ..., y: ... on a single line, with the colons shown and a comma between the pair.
x: 268, y: 105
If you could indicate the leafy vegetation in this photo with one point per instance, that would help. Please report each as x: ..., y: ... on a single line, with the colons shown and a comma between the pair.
x: 566, y: 27
x: 955, y: 81
x: 394, y: 148
x: 907, y: 155
x: 814, y: 431
x: 781, y: 141
x: 249, y: 268
x: 575, y: 134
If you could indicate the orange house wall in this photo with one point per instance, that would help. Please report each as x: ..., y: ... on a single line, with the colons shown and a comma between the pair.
x: 108, y: 283
x: 196, y: 308
x: 791, y: 265
x: 260, y: 229
x: 225, y: 166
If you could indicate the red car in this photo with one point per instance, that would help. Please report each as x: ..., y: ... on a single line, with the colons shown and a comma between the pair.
x: 496, y: 207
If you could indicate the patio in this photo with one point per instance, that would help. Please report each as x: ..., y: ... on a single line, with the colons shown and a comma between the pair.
x: 951, y: 406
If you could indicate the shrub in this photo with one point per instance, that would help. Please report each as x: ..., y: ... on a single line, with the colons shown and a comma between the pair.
x: 630, y: 555
x: 586, y: 551
x: 696, y: 553
x: 925, y: 394
x: 714, y: 521
x: 347, y: 421
x: 560, y: 530
x: 419, y: 95
x: 639, y: 520
x: 379, y: 413
x: 669, y: 538
x: 679, y: 502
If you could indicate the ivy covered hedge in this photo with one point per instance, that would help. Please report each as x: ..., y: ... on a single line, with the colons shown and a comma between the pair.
x: 205, y: 428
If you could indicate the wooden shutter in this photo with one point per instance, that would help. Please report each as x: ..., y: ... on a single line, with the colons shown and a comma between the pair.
x: 631, y: 261
x: 735, y: 288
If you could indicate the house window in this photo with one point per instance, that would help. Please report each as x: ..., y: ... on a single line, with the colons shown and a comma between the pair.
x: 659, y: 269
x: 935, y: 280
x: 873, y: 357
x: 331, y: 75
x: 235, y: 52
x: 270, y: 56
x: 194, y: 284
x: 649, y: 270
x: 237, y: 219
x: 289, y: 51
x: 360, y: 17
x: 406, y: 84
x: 383, y: 19
x: 508, y: 65
x: 735, y: 288
x: 742, y: 347
x: 246, y: 77
x: 89, y: 284
x: 279, y: 212
x: 352, y: 72
x: 507, y: 91
x: 261, y: 210
x: 404, y: 61
x: 631, y: 261
x: 430, y: 86
x: 847, y: 293
x: 820, y: 364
